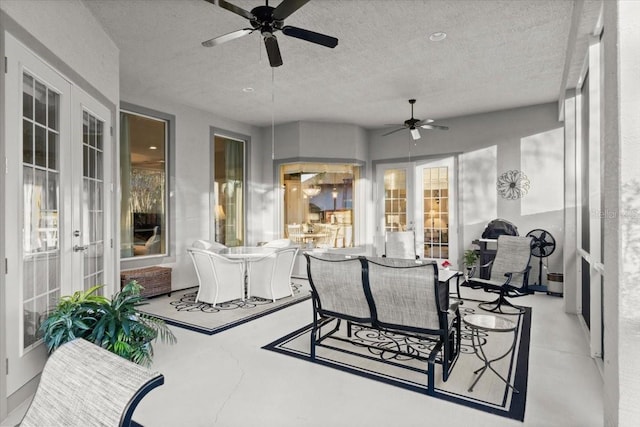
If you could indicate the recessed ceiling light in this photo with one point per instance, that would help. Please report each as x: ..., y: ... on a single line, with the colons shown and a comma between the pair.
x: 248, y: 89
x: 153, y: 147
x: 438, y: 36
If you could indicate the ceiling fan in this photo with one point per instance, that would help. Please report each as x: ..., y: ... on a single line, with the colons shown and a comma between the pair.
x: 413, y: 124
x: 268, y: 20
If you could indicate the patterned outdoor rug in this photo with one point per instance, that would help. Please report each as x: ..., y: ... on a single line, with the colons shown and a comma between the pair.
x: 365, y: 354
x: 181, y: 309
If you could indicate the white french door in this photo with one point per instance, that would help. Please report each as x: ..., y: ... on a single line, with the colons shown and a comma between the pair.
x: 56, y: 227
x: 420, y: 196
x: 436, y: 207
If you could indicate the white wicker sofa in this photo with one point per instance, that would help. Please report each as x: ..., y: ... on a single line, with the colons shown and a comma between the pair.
x: 387, y: 294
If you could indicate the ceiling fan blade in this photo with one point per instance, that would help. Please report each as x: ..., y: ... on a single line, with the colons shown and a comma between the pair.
x: 233, y: 8
x: 393, y: 131
x: 310, y: 36
x: 424, y: 122
x: 227, y: 37
x: 287, y: 7
x: 273, y: 51
x: 434, y: 127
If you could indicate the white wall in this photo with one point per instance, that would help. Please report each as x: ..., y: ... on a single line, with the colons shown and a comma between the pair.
x: 193, y: 177
x: 72, y: 33
x: 529, y: 139
x: 621, y: 38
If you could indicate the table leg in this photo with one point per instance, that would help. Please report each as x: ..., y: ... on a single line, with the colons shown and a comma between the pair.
x: 475, y: 335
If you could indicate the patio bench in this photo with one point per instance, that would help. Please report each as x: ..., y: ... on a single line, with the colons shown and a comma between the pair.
x: 83, y: 384
x: 389, y: 295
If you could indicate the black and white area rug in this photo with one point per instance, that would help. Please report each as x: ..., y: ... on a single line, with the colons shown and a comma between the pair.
x: 182, y: 310
x: 365, y: 354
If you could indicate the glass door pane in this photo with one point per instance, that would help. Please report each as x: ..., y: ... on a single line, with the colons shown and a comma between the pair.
x: 435, y: 188
x: 92, y: 209
x: 41, y: 262
x: 395, y: 200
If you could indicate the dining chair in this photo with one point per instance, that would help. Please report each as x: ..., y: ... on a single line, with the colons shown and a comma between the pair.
x: 269, y: 277
x: 278, y: 243
x: 294, y: 233
x: 400, y: 244
x: 220, y: 279
x: 208, y: 245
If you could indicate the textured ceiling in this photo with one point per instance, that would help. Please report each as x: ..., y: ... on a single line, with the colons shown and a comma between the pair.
x: 497, y: 55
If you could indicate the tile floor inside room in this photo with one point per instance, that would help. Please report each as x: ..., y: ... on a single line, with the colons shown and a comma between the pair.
x: 228, y: 380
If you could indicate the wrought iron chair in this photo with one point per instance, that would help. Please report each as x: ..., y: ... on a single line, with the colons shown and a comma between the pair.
x: 83, y: 384
x: 221, y: 279
x: 400, y: 244
x: 509, y: 274
x: 208, y: 245
x: 269, y: 277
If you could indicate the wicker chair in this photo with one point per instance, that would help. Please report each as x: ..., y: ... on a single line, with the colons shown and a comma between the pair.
x: 509, y: 274
x: 208, y: 245
x: 269, y: 277
x: 408, y: 298
x: 221, y: 279
x: 278, y: 243
x: 83, y: 384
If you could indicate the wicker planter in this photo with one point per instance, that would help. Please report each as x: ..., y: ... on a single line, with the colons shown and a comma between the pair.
x: 155, y: 280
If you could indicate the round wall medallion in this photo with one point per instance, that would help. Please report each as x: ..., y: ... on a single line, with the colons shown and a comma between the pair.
x: 513, y: 185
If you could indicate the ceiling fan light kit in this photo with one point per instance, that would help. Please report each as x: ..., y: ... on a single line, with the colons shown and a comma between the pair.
x: 413, y: 124
x: 269, y: 20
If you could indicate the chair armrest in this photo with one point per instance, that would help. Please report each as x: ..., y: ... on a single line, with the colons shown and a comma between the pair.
x: 487, y: 264
x: 511, y: 273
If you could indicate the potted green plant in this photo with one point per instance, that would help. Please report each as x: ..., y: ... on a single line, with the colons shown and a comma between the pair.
x: 470, y: 258
x: 115, y: 324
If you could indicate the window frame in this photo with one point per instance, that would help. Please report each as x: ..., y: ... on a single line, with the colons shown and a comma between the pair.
x: 169, y: 254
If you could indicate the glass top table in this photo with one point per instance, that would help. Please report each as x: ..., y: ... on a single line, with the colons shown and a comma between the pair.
x: 244, y: 252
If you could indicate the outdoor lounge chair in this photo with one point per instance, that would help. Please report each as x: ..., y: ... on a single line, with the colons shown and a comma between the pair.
x: 509, y: 274
x: 83, y: 384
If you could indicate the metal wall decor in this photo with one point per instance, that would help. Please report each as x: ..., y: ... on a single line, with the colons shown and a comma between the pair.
x: 513, y: 185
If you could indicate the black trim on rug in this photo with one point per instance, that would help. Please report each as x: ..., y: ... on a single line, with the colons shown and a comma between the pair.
x: 516, y: 408
x: 222, y: 328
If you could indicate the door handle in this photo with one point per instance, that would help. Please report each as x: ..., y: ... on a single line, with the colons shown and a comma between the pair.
x: 77, y: 248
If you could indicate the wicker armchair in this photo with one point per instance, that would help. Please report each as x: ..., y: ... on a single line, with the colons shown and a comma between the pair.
x: 509, y: 274
x: 83, y: 384
x: 269, y: 277
x: 221, y: 279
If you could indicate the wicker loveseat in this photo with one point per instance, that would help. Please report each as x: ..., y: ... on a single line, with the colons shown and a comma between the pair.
x: 387, y: 294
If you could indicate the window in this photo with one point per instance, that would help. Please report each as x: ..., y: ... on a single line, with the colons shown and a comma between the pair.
x: 143, y: 173
x: 228, y: 190
x: 318, y: 203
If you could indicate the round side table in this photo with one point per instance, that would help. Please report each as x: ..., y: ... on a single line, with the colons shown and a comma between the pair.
x: 488, y: 323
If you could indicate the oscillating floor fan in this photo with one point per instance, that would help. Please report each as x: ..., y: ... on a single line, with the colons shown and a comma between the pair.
x: 542, y: 245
